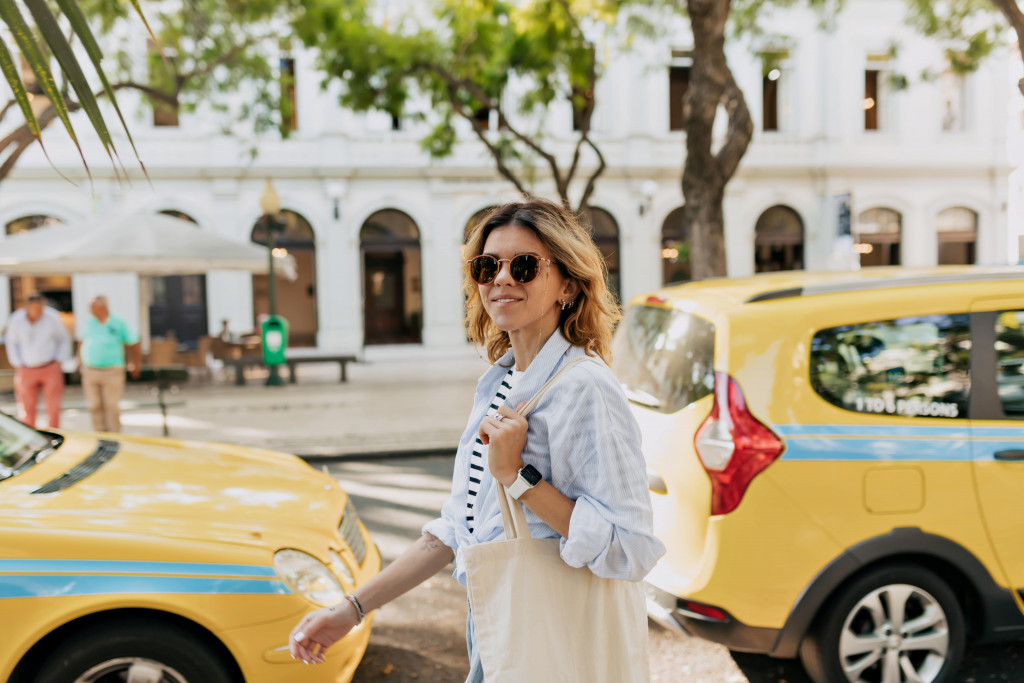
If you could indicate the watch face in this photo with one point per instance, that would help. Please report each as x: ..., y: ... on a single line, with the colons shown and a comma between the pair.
x: 531, y: 475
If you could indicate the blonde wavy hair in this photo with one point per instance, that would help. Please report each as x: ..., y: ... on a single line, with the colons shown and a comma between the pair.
x: 591, y: 320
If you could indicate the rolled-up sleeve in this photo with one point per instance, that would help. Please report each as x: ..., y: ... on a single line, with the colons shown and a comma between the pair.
x: 596, y: 460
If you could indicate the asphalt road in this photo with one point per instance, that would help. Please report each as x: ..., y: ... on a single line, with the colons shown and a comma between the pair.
x: 421, y: 636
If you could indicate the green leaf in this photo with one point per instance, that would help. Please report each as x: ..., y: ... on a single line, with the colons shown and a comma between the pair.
x: 34, y: 56
x: 58, y: 44
x: 81, y: 28
x: 20, y: 94
x: 138, y: 10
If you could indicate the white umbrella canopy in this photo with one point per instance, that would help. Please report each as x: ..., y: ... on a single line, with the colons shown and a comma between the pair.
x: 146, y: 244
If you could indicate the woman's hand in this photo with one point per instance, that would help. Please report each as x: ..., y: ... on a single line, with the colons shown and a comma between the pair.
x: 505, y: 437
x: 320, y: 629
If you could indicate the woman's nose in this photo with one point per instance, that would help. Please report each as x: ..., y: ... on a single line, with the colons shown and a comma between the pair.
x: 504, y: 276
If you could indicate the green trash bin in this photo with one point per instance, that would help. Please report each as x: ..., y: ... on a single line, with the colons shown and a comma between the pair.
x: 275, y: 340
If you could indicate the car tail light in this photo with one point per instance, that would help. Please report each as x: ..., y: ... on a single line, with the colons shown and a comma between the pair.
x: 702, y: 611
x: 733, y: 445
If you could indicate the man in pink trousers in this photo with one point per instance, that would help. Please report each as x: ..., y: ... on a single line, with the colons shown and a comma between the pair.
x: 37, y: 343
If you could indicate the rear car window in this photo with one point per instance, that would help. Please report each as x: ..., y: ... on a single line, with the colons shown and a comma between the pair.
x: 1010, y: 361
x: 664, y: 358
x: 909, y: 367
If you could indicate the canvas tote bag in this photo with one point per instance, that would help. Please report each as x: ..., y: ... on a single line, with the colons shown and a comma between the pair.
x: 538, y: 620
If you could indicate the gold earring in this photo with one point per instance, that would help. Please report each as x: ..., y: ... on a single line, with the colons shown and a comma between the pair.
x: 564, y: 305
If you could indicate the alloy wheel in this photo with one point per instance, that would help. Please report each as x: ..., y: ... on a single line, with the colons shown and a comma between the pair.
x: 131, y: 670
x: 895, y: 634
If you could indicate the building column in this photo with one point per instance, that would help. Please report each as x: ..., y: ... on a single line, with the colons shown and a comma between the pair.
x: 919, y: 245
x: 229, y: 292
x: 441, y: 286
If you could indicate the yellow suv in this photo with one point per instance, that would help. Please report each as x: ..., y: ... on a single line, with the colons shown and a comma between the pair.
x: 836, y: 462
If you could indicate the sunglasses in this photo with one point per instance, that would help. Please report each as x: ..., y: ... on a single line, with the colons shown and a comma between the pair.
x: 523, y: 268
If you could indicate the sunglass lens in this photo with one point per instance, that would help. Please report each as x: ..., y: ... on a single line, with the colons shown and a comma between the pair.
x: 483, y: 269
x: 524, y: 268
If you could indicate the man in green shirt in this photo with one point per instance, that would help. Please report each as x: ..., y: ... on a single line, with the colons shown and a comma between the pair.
x: 102, y: 356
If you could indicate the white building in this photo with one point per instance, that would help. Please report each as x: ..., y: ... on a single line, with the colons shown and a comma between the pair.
x: 376, y: 227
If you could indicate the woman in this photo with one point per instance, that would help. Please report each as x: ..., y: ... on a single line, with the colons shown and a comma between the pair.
x: 537, y: 300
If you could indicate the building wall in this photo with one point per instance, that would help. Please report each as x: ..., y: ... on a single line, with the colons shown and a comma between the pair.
x: 357, y: 164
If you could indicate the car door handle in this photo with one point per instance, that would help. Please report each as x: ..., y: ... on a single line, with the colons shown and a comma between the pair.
x: 1009, y: 455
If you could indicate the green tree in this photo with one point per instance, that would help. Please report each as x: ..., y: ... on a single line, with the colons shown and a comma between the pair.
x: 459, y: 58
x: 202, y: 52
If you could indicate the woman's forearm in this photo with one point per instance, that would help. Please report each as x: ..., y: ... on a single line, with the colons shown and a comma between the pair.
x: 423, y: 559
x: 548, y: 503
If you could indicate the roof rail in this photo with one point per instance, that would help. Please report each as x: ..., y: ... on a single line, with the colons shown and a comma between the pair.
x: 1010, y: 273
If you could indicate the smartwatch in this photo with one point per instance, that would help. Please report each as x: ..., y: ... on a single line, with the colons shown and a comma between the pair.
x: 527, y: 479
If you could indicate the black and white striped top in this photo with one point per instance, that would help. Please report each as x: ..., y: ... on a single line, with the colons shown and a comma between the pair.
x: 477, y: 462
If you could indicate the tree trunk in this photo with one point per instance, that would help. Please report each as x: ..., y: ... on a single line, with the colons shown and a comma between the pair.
x: 1011, y: 10
x: 706, y: 173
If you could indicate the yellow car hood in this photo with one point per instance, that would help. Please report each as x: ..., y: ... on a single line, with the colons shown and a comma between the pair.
x: 177, y: 489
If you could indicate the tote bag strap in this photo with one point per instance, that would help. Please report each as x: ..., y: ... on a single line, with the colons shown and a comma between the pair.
x: 512, y: 515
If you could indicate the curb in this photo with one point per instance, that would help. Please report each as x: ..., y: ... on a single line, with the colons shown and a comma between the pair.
x: 316, y: 458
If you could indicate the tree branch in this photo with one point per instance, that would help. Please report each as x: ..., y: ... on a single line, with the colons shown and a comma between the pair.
x: 1015, y: 16
x: 740, y: 130
x: 499, y: 161
x: 473, y: 89
x: 592, y: 181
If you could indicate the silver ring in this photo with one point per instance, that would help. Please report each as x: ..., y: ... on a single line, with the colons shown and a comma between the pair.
x: 499, y: 417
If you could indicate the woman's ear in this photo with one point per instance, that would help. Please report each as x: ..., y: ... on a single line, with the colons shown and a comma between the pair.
x: 571, y: 289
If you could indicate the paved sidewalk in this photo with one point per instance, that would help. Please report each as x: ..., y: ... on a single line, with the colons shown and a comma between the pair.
x: 399, y: 400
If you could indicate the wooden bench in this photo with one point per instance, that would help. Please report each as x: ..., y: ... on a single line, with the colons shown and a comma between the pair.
x: 240, y: 364
x: 340, y: 359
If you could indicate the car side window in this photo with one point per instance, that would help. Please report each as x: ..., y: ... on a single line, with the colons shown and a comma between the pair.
x: 908, y: 367
x: 1010, y: 361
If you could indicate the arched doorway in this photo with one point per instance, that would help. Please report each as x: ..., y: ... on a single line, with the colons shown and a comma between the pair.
x: 392, y: 298
x: 879, y: 232
x: 957, y: 229
x: 778, y: 240
x: 605, y: 230
x: 56, y: 288
x: 296, y: 300
x: 177, y: 303
x: 675, y: 248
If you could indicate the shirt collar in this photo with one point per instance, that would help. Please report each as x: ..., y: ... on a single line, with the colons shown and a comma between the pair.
x: 540, y: 370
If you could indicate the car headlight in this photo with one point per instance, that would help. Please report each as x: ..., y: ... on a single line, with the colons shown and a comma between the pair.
x: 308, y: 577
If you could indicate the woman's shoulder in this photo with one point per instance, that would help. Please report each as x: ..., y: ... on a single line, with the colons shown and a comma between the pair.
x: 590, y: 377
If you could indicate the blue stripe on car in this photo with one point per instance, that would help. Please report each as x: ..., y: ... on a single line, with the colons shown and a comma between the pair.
x: 896, y: 443
x: 65, y: 585
x: 132, y: 567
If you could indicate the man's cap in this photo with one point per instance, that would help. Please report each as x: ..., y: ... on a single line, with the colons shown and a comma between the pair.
x: 35, y: 296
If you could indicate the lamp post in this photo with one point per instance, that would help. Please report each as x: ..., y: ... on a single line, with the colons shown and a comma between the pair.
x: 270, y: 202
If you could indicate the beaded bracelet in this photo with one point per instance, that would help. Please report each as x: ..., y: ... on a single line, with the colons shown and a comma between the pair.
x: 359, y: 608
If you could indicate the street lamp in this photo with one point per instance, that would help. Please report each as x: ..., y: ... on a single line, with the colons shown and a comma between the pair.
x: 275, y: 334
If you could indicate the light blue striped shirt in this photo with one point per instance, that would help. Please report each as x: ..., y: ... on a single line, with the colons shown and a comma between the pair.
x: 584, y: 440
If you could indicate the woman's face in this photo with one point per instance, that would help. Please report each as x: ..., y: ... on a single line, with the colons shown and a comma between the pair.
x: 517, y: 307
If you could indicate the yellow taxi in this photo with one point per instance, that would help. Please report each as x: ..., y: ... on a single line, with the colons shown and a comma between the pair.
x: 133, y: 559
x: 836, y: 462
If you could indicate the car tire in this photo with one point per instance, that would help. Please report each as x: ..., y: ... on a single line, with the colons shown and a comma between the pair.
x: 108, y: 653
x: 855, y: 638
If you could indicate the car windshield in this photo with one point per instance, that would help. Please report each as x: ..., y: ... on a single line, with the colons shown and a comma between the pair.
x: 22, y: 446
x: 664, y: 358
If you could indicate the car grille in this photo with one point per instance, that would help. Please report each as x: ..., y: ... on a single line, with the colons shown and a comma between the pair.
x: 352, y: 532
x: 104, y: 452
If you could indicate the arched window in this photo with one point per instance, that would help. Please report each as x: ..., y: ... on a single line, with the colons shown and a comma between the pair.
x: 56, y: 288
x: 957, y: 229
x: 879, y: 232
x: 177, y: 303
x: 778, y: 240
x: 675, y: 248
x: 605, y: 230
x: 296, y: 299
x: 392, y: 297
